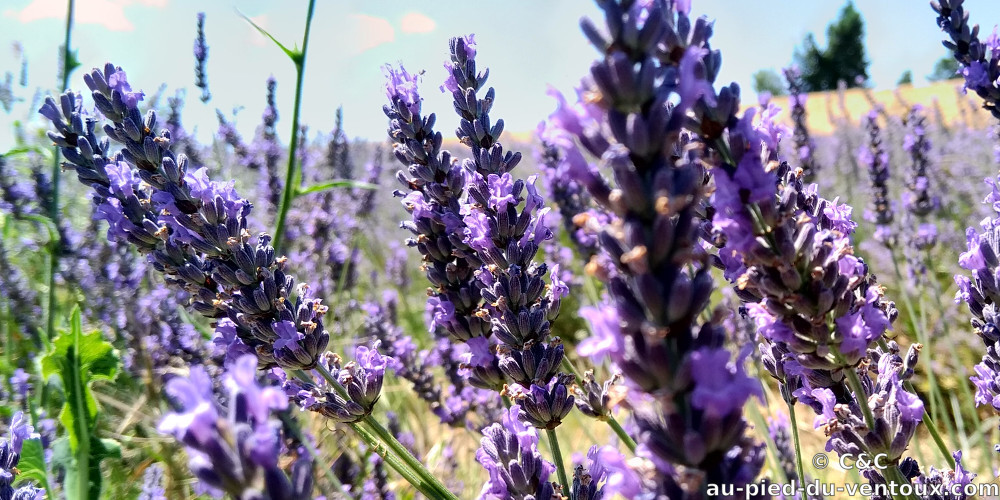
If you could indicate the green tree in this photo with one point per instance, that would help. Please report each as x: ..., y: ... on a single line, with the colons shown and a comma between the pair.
x: 945, y: 69
x: 843, y: 58
x: 768, y: 80
x: 906, y: 78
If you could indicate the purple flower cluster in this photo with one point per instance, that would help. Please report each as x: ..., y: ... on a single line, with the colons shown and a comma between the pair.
x: 193, y: 230
x: 657, y: 66
x: 804, y: 145
x: 435, y: 184
x: 979, y: 60
x: 509, y: 453
x: 10, y: 454
x: 980, y: 290
x: 361, y: 381
x: 234, y: 451
x: 918, y: 199
x: 874, y: 157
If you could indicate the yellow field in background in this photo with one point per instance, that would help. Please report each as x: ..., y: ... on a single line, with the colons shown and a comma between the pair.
x: 944, y: 101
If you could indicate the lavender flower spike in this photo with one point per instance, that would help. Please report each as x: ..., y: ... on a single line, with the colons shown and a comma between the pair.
x: 980, y: 62
x: 435, y: 185
x: 804, y: 144
x: 361, y: 378
x: 638, y: 100
x: 194, y: 230
x: 201, y: 57
x: 980, y: 290
x: 234, y: 452
x: 509, y: 452
x: 874, y: 156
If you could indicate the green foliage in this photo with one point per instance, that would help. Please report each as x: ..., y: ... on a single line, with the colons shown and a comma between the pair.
x: 842, y: 60
x: 32, y: 463
x: 78, y: 360
x: 906, y: 78
x: 945, y: 69
x: 768, y: 80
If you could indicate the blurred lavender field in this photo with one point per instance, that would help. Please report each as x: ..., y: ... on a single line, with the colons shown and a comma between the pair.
x: 671, y: 288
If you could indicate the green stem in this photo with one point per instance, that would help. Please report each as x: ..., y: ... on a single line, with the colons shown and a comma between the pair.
x: 387, y: 439
x: 558, y: 459
x: 893, y: 475
x: 54, y: 246
x: 394, y: 461
x: 622, y: 435
x: 794, y: 427
x: 860, y: 396
x: 288, y: 193
x: 418, y: 468
x: 936, y: 399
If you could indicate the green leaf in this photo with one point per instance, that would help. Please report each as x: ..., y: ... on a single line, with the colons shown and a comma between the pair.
x: 340, y: 183
x: 23, y: 150
x: 292, y: 54
x: 78, y: 360
x: 32, y: 463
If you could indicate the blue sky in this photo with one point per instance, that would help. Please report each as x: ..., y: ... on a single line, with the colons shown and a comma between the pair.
x: 527, y: 44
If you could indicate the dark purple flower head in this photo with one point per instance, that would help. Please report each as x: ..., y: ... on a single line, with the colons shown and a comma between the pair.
x: 200, y: 58
x: 509, y: 453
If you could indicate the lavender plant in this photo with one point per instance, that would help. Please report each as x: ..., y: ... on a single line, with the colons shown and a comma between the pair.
x: 656, y: 65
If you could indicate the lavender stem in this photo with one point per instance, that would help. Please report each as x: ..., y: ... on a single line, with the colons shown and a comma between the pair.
x: 622, y: 435
x: 794, y: 427
x: 557, y: 458
x: 367, y: 425
x: 67, y: 66
x: 287, y: 195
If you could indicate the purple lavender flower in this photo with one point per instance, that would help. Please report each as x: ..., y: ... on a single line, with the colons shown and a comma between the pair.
x: 152, y: 484
x: 980, y: 291
x: 632, y: 120
x: 980, y: 62
x: 876, y: 159
x: 362, y: 379
x: 20, y: 298
x: 194, y: 230
x: 200, y: 58
x: 509, y: 453
x: 233, y: 451
x: 10, y: 454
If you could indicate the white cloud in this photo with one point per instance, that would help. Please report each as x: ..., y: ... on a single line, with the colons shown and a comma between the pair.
x: 415, y: 22
x: 107, y: 13
x: 368, y: 32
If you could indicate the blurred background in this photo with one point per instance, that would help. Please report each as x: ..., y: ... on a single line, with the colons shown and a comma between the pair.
x: 527, y: 45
